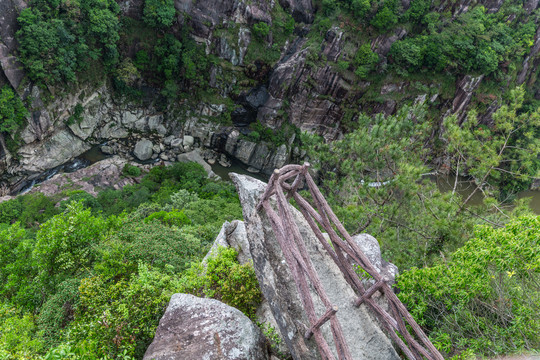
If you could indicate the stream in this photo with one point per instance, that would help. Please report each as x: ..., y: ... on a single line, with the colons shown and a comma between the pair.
x: 444, y: 182
x: 85, y: 159
x: 465, y: 187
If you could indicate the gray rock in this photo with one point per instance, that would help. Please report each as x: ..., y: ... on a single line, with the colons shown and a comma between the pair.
x: 371, y: 248
x: 156, y: 149
x: 52, y: 151
x: 244, y: 150
x: 195, y: 156
x: 188, y: 141
x: 362, y: 334
x: 233, y: 234
x: 107, y: 150
x: 161, y: 130
x: 13, y: 69
x: 143, y: 149
x: 176, y: 143
x: 197, y: 328
x: 168, y: 139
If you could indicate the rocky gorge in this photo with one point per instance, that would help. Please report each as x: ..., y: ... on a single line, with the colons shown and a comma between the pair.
x: 298, y: 83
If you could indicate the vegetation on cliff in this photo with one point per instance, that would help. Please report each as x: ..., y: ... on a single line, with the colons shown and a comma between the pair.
x: 90, y: 279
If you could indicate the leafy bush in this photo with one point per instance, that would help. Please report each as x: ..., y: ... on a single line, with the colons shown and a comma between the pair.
x: 182, y: 198
x: 224, y: 279
x: 154, y: 243
x: 87, y: 200
x: 117, y: 319
x: 12, y: 253
x: 173, y: 217
x: 10, y: 210
x: 59, y: 39
x: 261, y: 30
x: 18, y: 338
x: 12, y: 111
x: 66, y: 244
x: 76, y: 116
x: 131, y: 170
x: 58, y: 312
x: 365, y: 60
x: 486, y: 297
x: 159, y: 13
x: 385, y: 19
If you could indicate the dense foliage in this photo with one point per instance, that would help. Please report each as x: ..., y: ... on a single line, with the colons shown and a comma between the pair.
x: 75, y: 277
x: 12, y: 111
x: 57, y: 38
x: 486, y: 296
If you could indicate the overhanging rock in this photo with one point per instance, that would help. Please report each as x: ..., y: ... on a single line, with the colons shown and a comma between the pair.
x: 362, y: 334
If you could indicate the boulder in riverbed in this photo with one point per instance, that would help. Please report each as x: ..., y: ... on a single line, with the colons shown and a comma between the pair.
x: 143, y: 149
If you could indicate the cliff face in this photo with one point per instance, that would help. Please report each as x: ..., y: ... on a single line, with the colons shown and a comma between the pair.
x: 302, y: 79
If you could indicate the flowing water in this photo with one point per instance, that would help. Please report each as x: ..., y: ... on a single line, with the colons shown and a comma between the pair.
x: 85, y: 159
x: 465, y: 187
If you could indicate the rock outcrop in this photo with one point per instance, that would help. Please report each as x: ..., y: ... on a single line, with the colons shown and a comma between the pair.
x: 362, y: 333
x: 199, y: 328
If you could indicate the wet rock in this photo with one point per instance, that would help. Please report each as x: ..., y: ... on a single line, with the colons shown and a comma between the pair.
x: 143, y: 149
x: 362, y: 334
x: 224, y: 161
x: 107, y: 150
x: 198, y: 328
x: 51, y: 152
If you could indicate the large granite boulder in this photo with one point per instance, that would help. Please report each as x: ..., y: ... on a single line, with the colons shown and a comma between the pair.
x: 143, y: 149
x: 199, y: 328
x: 362, y: 333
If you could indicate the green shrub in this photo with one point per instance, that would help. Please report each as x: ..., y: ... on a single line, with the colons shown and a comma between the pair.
x: 12, y: 111
x: 10, y: 253
x: 117, y: 319
x: 174, y: 217
x: 10, y: 210
x: 131, y: 170
x: 226, y: 280
x: 154, y: 243
x: 66, y: 244
x: 385, y: 19
x: 182, y: 198
x: 486, y: 298
x: 58, y: 312
x: 38, y: 208
x: 254, y: 136
x: 18, y: 338
x: 76, y: 116
x: 261, y: 30
x: 87, y: 200
x: 159, y: 13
